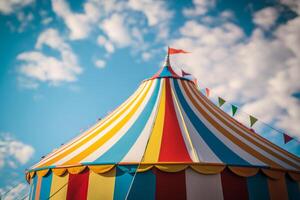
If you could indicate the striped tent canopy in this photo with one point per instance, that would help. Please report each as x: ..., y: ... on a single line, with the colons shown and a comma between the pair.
x: 167, y: 141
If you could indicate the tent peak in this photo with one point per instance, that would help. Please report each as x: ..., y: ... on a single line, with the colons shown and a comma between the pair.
x: 166, y: 70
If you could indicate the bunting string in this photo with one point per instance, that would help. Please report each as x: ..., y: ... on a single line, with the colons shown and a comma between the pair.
x: 253, y: 120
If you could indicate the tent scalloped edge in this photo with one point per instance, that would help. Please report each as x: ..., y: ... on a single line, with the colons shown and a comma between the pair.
x: 207, y: 169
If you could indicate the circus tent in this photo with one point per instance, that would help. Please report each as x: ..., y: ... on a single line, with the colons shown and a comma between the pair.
x: 167, y: 141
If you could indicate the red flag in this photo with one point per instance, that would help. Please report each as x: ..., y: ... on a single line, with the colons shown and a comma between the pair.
x: 184, y: 73
x: 207, y: 91
x: 175, y: 51
x: 287, y: 138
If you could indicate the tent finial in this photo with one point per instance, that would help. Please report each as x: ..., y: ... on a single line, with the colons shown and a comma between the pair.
x: 167, y: 60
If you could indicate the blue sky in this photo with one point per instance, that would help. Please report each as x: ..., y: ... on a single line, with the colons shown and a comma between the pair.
x: 65, y: 64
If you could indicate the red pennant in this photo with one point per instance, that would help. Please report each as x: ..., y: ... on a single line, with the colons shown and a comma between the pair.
x: 184, y: 73
x: 287, y: 138
x: 207, y: 91
x: 175, y: 51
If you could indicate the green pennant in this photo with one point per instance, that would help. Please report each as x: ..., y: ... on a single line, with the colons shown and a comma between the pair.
x: 234, y: 109
x: 252, y: 120
x: 221, y: 101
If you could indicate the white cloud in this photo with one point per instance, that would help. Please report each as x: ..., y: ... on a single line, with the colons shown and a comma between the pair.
x: 43, y: 68
x: 201, y: 7
x: 155, y: 11
x: 227, y: 14
x: 10, y: 6
x: 24, y: 20
x: 102, y: 41
x: 79, y: 24
x: 122, y: 29
x: 51, y: 38
x: 47, y: 20
x: 146, y: 56
x: 116, y: 30
x: 266, y: 17
x: 100, y: 63
x: 117, y: 22
x: 13, y: 151
x: 293, y: 4
x: 259, y: 72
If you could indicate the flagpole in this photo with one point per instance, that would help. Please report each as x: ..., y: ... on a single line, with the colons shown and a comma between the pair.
x: 167, y: 61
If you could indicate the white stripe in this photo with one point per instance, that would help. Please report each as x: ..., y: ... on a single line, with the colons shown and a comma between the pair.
x: 201, y: 186
x: 99, y: 135
x: 135, y: 154
x: 105, y: 147
x: 87, y: 133
x: 235, y: 148
x: 235, y: 134
x: 203, y: 150
x: 204, y: 153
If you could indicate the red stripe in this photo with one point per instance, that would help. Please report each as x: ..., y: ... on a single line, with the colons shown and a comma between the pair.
x: 172, y: 148
x: 170, y: 185
x: 234, y: 187
x: 78, y: 186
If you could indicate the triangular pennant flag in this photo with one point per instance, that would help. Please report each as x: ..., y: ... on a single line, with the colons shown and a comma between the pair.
x: 207, y: 91
x: 185, y: 73
x: 287, y: 138
x: 252, y: 120
x: 175, y: 51
x: 221, y: 101
x: 234, y: 109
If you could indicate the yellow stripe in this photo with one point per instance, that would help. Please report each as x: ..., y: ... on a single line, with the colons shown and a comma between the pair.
x: 94, y: 127
x: 89, y: 150
x: 91, y: 136
x: 101, y: 186
x: 59, y: 187
x: 153, y: 148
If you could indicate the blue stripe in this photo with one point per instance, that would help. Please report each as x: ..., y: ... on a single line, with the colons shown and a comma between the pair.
x: 165, y: 72
x: 34, y: 182
x: 258, y: 187
x: 143, y: 186
x: 219, y: 148
x: 121, y: 148
x: 293, y: 188
x: 46, y: 186
x: 122, y: 183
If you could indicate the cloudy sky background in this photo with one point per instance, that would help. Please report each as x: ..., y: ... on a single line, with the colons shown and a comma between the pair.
x: 64, y: 65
